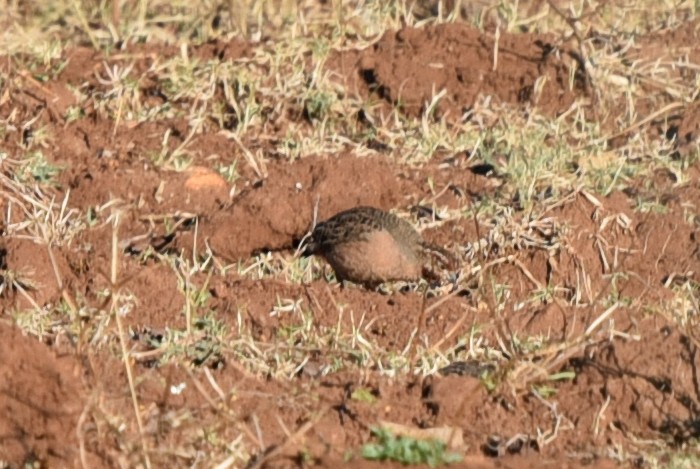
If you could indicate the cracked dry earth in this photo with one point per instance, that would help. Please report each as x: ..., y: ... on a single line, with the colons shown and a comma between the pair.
x: 63, y: 406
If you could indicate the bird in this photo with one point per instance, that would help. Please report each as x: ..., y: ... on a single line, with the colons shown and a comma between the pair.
x: 368, y: 246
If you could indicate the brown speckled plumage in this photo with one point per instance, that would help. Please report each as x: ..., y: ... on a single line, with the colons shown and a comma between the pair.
x: 369, y: 246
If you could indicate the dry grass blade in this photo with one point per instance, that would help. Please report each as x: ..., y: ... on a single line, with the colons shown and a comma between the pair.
x: 116, y: 312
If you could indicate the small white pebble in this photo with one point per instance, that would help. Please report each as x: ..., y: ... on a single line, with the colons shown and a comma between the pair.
x: 177, y: 389
x: 125, y: 309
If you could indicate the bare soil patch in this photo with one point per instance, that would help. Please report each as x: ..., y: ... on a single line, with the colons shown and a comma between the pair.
x: 42, y: 397
x: 407, y: 68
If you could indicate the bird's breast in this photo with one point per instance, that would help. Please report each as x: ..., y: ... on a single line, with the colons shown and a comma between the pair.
x: 377, y: 257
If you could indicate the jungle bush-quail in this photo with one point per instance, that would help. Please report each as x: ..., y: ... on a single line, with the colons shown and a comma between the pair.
x: 370, y: 246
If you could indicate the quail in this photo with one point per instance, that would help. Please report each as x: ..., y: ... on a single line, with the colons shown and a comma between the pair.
x: 369, y: 246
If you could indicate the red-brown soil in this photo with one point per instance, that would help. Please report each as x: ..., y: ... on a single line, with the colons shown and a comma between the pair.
x: 408, y: 67
x: 42, y: 397
x: 65, y: 404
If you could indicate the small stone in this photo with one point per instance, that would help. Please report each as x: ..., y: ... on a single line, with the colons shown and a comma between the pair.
x: 201, y: 178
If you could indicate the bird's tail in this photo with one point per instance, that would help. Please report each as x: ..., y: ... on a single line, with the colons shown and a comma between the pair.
x: 444, y: 257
